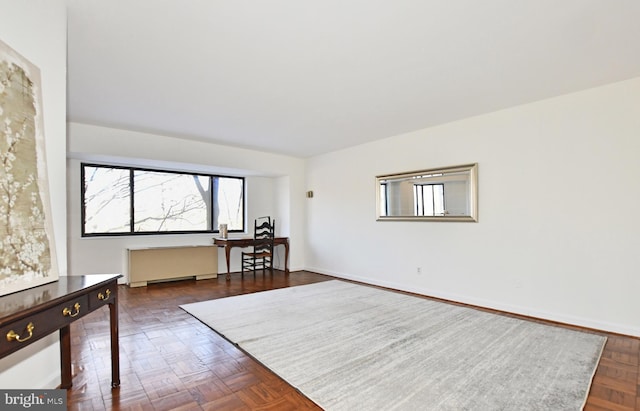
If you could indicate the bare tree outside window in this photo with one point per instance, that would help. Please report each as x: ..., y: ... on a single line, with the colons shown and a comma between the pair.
x: 136, y: 201
x: 107, y: 200
x: 170, y: 202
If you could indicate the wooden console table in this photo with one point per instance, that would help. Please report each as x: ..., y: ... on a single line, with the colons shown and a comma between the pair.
x: 27, y: 316
x: 229, y: 243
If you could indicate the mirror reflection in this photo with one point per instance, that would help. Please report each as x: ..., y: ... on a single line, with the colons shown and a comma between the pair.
x: 439, y: 194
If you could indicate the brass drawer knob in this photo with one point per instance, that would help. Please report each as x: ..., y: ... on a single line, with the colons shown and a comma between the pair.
x: 68, y: 313
x: 105, y: 296
x: 12, y: 335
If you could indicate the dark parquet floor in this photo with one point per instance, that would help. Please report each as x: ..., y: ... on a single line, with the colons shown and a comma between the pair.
x: 171, y: 361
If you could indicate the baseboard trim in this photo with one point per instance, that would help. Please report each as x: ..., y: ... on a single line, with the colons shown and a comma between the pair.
x: 582, y: 322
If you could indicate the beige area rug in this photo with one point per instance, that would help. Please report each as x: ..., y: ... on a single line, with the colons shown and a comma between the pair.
x: 352, y: 347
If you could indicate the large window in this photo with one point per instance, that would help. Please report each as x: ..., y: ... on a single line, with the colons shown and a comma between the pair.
x: 127, y: 200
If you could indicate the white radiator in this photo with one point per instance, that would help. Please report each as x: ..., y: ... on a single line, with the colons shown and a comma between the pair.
x: 169, y: 263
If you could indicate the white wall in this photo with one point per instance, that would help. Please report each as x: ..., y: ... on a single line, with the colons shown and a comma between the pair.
x: 275, y: 185
x: 37, y: 30
x: 551, y: 242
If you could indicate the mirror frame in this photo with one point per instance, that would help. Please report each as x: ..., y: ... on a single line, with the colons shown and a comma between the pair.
x: 472, y: 193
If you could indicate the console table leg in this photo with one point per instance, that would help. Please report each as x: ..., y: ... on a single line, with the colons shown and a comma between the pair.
x: 115, y: 348
x: 65, y: 357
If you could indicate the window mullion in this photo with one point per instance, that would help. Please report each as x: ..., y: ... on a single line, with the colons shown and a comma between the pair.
x: 131, y: 201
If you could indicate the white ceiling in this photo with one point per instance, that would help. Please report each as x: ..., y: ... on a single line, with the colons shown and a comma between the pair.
x: 308, y: 77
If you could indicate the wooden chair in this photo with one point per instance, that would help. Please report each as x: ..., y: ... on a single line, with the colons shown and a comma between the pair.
x: 261, y: 255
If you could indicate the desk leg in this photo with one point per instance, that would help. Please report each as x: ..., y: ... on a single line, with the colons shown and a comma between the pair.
x: 65, y: 357
x: 286, y: 257
x: 227, y: 254
x: 115, y: 348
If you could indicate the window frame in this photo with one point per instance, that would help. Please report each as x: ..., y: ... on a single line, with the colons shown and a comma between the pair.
x: 131, y: 231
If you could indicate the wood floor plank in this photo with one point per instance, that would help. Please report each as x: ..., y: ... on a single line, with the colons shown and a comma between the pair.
x: 171, y: 361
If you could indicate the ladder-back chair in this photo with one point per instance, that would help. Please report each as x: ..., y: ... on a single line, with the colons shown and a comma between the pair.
x: 261, y: 255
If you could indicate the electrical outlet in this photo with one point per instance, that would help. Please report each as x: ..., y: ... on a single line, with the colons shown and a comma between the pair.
x: 419, y: 270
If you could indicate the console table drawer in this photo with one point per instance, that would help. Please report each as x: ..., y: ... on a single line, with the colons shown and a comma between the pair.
x: 19, y: 333
x: 104, y: 295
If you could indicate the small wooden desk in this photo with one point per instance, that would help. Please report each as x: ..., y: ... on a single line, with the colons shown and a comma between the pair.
x: 229, y: 243
x: 27, y: 316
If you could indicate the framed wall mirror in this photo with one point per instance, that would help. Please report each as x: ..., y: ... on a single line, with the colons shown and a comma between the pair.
x: 437, y: 194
